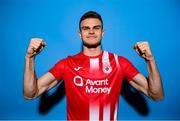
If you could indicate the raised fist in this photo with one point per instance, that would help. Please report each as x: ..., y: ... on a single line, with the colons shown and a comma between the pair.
x: 143, y: 50
x: 35, y: 47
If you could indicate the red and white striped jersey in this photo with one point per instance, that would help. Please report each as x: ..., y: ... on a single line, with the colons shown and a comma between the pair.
x: 93, y: 84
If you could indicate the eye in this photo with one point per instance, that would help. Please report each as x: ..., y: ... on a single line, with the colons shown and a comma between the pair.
x: 85, y: 28
x: 97, y: 27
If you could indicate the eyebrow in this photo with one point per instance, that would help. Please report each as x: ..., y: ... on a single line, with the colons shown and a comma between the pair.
x: 93, y: 26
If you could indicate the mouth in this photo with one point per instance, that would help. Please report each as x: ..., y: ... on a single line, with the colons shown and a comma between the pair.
x: 91, y: 36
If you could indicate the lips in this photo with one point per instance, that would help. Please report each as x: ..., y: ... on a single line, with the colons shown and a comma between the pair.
x: 91, y: 36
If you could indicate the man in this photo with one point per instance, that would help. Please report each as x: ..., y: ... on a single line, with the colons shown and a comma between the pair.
x: 93, y: 78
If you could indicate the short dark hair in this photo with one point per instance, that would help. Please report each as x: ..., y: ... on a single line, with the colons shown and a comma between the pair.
x: 90, y: 14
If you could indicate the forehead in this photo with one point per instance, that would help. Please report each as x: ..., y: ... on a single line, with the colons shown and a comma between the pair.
x: 91, y: 22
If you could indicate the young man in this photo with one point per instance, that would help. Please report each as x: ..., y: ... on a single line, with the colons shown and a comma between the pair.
x: 93, y: 78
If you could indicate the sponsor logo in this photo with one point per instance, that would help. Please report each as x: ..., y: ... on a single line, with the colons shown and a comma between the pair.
x: 78, y: 81
x: 93, y: 86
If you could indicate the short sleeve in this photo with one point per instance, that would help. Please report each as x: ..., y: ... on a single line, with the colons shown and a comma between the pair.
x: 129, y: 70
x: 58, y: 69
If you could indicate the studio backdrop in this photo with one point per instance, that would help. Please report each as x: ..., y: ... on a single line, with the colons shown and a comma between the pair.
x: 56, y: 21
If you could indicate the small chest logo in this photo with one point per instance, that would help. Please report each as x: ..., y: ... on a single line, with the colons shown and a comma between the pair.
x: 77, y: 68
x: 107, y: 69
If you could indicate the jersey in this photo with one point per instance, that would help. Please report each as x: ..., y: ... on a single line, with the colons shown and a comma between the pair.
x: 93, y: 84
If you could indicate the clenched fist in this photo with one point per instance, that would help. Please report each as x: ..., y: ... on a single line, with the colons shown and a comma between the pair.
x: 143, y: 49
x: 35, y: 47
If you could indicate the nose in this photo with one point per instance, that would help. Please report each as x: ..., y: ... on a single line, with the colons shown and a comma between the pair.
x: 91, y: 31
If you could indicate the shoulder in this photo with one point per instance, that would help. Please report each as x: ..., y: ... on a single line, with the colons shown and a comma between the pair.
x: 120, y: 58
x: 76, y: 57
x: 68, y: 58
x: 124, y: 62
x: 61, y: 62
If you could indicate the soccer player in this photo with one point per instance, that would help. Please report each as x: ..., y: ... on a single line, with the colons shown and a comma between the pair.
x: 93, y: 77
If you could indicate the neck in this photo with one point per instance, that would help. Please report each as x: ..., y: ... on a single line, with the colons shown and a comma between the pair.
x: 92, y: 51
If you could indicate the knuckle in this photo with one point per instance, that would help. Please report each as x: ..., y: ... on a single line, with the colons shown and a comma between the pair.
x: 38, y: 44
x: 36, y: 39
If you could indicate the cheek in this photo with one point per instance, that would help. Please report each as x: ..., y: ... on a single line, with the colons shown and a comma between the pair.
x: 83, y: 34
x: 100, y: 35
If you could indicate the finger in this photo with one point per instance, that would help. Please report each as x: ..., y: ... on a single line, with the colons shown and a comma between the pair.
x: 135, y: 46
x: 40, y: 42
x: 43, y: 43
x: 142, y: 47
x: 39, y: 50
x: 142, y: 51
x: 138, y: 48
x: 145, y: 44
x: 137, y: 51
x: 30, y: 51
x: 34, y: 49
x: 143, y: 55
x: 34, y: 53
x: 36, y: 40
x: 142, y: 43
x: 35, y: 46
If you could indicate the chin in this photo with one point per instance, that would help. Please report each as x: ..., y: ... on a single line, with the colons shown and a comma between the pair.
x: 92, y: 45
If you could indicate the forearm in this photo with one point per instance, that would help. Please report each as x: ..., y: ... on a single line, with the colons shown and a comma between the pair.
x: 30, y: 81
x: 155, y: 89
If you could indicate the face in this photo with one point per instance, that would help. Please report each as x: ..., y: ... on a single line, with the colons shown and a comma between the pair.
x: 91, y: 32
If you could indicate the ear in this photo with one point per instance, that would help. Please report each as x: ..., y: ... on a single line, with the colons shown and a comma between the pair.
x: 80, y: 36
x: 102, y: 33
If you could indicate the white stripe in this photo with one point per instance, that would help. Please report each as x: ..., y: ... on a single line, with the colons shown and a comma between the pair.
x: 106, y: 113
x: 94, y: 112
x: 115, y: 112
x: 116, y: 59
x: 105, y: 57
x: 94, y: 64
x: 116, y: 105
x: 106, y: 63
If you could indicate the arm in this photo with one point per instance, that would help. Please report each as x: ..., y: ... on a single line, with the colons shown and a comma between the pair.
x: 34, y: 87
x: 152, y: 86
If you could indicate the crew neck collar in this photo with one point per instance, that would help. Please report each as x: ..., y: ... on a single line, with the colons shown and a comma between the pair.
x: 97, y: 56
